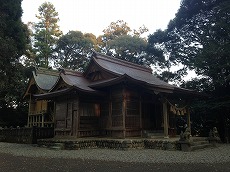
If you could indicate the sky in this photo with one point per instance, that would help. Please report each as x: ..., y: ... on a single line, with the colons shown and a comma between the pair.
x: 93, y: 16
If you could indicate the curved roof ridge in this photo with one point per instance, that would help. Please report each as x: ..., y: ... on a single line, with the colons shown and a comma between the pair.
x: 122, y: 62
x: 46, y: 71
x: 70, y: 72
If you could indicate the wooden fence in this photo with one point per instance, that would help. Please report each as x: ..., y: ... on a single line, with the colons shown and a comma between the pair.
x: 25, y: 135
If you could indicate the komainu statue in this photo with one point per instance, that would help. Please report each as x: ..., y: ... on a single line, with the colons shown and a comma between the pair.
x: 185, y: 136
x: 214, y: 133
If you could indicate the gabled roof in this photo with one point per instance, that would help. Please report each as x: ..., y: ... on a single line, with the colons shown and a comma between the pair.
x: 135, y: 73
x: 76, y: 79
x: 42, y: 79
x: 120, y: 67
x: 115, y: 70
x: 45, y: 79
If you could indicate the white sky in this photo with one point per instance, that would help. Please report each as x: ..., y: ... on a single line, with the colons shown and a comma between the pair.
x: 92, y: 16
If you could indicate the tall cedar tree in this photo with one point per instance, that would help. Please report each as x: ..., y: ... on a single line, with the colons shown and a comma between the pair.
x: 46, y: 34
x: 13, y: 38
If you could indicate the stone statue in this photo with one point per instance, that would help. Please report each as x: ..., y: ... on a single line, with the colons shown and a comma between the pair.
x: 185, y: 136
x: 213, y: 133
x: 214, y: 136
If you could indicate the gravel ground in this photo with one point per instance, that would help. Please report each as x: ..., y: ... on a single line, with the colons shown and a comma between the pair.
x: 30, y: 158
x: 221, y: 154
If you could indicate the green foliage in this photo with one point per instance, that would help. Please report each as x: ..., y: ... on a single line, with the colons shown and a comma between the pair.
x: 12, y: 32
x: 199, y: 38
x: 13, y: 38
x: 46, y: 34
x: 129, y: 48
x: 13, y: 41
x: 123, y: 43
x: 73, y: 50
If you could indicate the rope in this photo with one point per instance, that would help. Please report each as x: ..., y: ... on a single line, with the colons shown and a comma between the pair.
x: 176, y: 110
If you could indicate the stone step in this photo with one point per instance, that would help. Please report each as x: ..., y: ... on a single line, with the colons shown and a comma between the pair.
x: 200, y: 142
x: 153, y: 134
x: 202, y: 146
x: 156, y: 137
x: 196, y: 139
x: 57, y: 146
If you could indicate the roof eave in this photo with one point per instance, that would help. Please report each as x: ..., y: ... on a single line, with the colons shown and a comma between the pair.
x: 190, y: 92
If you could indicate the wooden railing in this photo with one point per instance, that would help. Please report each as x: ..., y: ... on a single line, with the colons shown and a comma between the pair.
x: 38, y: 119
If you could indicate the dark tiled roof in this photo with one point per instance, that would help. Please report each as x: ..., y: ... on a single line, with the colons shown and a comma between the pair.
x: 77, y: 80
x: 51, y: 94
x: 45, y: 79
x: 120, y: 69
x: 135, y: 71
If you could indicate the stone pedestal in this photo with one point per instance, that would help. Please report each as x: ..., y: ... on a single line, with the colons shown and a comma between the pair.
x: 185, y: 145
x: 213, y: 141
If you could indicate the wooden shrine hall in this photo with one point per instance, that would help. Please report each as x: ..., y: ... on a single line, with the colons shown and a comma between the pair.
x: 111, y: 98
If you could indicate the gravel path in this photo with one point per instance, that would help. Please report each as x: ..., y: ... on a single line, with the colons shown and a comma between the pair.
x: 220, y: 154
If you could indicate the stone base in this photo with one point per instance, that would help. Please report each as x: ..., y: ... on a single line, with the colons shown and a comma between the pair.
x: 185, y: 145
x: 214, y: 141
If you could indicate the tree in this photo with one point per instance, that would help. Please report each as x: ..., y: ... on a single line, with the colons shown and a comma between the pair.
x: 13, y: 43
x: 13, y: 38
x: 199, y: 39
x: 46, y: 33
x: 73, y: 49
x: 196, y: 37
x: 129, y: 48
x: 114, y: 30
x: 120, y: 41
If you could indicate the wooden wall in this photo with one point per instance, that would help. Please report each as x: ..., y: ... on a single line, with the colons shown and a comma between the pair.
x: 38, y: 106
x: 65, y: 117
x: 124, y: 112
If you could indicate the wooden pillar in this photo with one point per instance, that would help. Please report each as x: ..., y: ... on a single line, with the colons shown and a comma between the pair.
x: 43, y: 116
x: 124, y: 112
x: 165, y: 115
x: 29, y: 113
x: 33, y: 121
x: 110, y: 111
x: 188, y: 119
x: 140, y: 112
x: 77, y: 118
